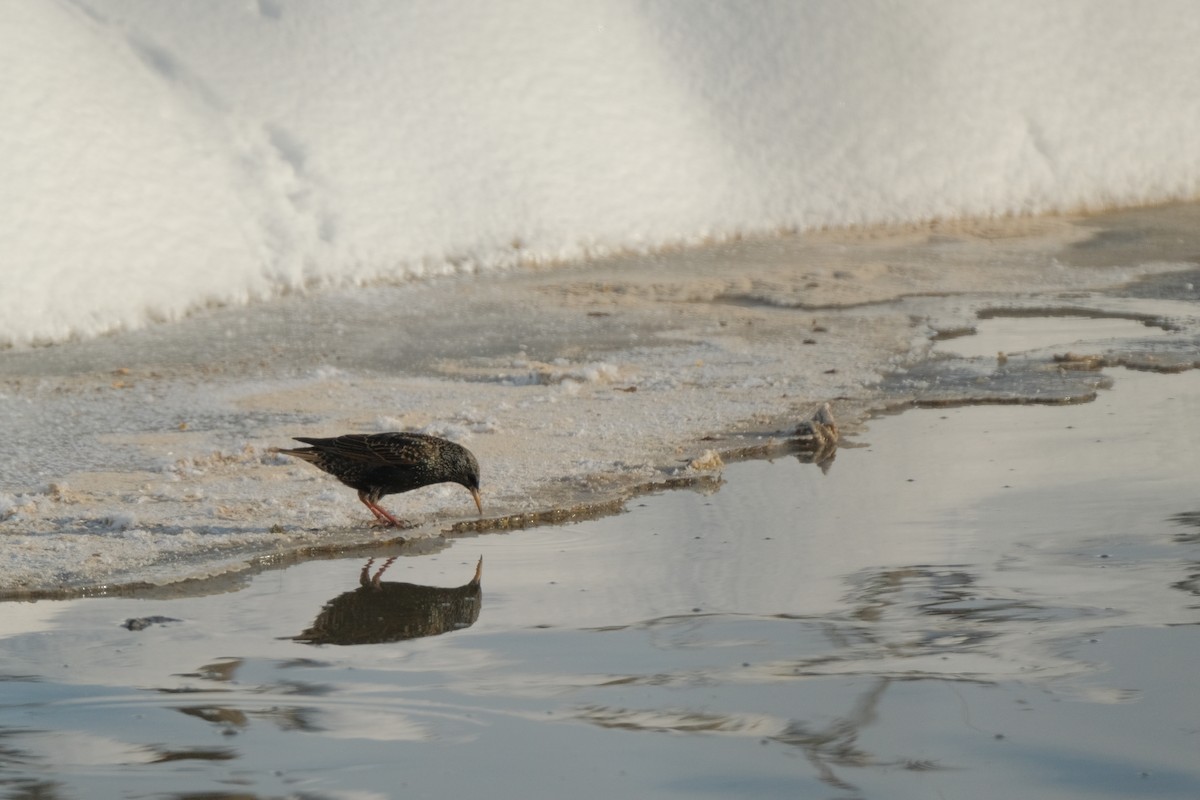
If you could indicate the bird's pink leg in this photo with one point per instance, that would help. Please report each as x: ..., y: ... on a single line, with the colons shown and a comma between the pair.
x: 362, y: 496
x: 384, y: 516
x: 380, y: 515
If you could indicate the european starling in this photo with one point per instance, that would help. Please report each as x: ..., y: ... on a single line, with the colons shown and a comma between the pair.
x: 389, y: 463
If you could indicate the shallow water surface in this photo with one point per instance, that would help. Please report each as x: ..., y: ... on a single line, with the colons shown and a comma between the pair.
x: 991, y: 602
x: 1019, y: 332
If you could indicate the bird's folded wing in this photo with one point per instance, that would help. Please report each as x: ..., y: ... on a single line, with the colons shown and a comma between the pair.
x: 374, y: 450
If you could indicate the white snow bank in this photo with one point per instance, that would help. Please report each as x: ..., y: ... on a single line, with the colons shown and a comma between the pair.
x: 161, y: 156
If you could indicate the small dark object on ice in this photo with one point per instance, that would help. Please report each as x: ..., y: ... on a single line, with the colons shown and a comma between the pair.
x: 378, y: 464
x: 141, y: 623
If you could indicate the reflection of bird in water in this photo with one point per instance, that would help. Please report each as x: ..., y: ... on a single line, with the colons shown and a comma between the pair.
x: 379, y: 464
x: 383, y: 611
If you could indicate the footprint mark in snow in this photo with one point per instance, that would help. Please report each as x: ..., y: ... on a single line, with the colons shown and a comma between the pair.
x: 293, y: 154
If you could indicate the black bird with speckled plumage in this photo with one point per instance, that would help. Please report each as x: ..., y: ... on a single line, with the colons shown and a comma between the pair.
x: 378, y: 464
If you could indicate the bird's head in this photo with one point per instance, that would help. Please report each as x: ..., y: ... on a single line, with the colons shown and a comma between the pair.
x: 464, y: 470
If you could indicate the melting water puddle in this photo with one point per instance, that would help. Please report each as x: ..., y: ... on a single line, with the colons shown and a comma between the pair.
x: 997, y: 333
x: 989, y: 601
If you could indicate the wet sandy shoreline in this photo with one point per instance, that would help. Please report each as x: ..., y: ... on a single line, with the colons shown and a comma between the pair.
x: 143, y: 458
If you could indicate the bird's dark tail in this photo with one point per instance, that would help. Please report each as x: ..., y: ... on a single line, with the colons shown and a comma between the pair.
x: 309, y: 454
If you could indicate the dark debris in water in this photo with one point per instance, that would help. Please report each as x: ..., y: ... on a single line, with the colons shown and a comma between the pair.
x: 141, y: 623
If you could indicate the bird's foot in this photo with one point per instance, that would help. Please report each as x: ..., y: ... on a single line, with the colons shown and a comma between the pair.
x: 398, y: 524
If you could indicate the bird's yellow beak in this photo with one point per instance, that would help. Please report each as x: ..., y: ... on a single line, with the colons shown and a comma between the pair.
x: 478, y: 502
